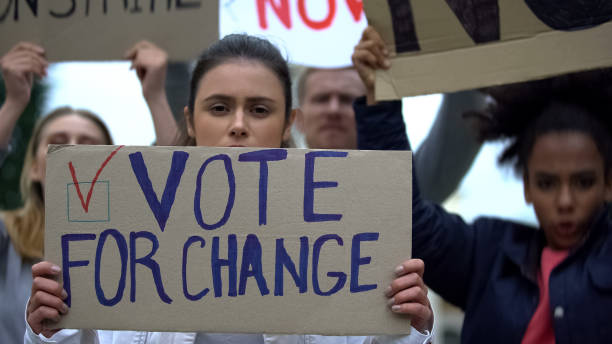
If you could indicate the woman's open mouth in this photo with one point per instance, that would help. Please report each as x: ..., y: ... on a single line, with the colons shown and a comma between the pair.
x: 567, y: 228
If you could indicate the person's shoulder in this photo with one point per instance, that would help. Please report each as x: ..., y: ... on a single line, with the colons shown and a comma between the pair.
x: 500, y: 227
x: 502, y: 224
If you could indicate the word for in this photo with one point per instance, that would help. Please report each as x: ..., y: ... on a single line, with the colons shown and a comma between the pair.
x: 161, y: 208
x: 68, y: 8
x: 250, y: 266
x: 283, y: 12
x: 481, y: 19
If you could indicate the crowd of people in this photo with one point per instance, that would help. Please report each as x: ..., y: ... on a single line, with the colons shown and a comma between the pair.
x: 515, y: 283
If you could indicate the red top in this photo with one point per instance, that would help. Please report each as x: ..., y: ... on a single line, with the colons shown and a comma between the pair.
x: 540, y: 329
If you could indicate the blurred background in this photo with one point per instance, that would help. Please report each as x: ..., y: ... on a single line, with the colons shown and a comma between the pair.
x: 112, y: 90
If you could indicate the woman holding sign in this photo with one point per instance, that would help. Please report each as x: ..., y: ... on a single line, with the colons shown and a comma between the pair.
x: 240, y: 97
x: 516, y: 283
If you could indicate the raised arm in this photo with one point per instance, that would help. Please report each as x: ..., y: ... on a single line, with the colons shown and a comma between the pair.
x: 380, y: 125
x: 448, y: 151
x: 443, y: 241
x: 450, y: 147
x: 150, y: 63
x: 20, y: 66
x: 369, y: 55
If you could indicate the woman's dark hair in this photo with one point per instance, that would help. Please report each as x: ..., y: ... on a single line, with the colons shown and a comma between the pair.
x: 580, y: 102
x: 237, y: 47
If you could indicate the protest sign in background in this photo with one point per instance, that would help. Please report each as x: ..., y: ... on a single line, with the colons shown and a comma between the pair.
x: 309, y: 32
x: 293, y: 241
x: 320, y: 33
x: 450, y: 45
x: 104, y: 30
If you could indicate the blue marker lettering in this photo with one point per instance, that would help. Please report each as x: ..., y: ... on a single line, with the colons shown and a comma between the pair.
x: 263, y: 156
x: 148, y: 262
x: 122, y: 247
x: 310, y: 185
x: 316, y: 252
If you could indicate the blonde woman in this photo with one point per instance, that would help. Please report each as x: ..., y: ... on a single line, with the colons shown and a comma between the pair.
x: 22, y: 230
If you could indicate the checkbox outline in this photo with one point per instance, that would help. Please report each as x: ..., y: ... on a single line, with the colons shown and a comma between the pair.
x: 107, y: 182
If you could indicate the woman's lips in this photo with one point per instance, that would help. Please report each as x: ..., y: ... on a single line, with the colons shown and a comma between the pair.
x: 566, y: 228
x: 332, y: 127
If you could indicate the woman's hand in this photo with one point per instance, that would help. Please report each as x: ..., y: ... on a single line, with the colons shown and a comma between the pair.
x: 150, y: 63
x: 46, y: 301
x: 408, y: 295
x: 19, y: 66
x: 369, y: 55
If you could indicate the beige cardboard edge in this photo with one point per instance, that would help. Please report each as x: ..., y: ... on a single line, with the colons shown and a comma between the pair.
x: 184, y: 35
x: 378, y: 15
x: 439, y: 29
x: 544, y: 55
x: 56, y: 148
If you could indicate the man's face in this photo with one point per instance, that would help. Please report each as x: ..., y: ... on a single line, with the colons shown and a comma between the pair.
x: 327, y: 119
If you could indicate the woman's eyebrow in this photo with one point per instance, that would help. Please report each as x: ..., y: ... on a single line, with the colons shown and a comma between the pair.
x: 581, y: 173
x: 218, y: 97
x: 540, y: 174
x: 584, y: 173
x: 260, y: 99
x: 227, y: 98
x: 56, y: 134
x: 88, y: 137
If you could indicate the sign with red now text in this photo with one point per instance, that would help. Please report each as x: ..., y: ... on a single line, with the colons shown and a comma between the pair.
x: 286, y: 240
x: 320, y: 33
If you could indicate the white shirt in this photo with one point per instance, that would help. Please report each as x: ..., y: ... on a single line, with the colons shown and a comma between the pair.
x: 141, y: 337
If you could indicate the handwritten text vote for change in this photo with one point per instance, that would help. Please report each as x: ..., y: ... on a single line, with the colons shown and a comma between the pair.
x: 238, y: 273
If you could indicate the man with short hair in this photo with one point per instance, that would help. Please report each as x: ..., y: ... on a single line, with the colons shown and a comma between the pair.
x: 327, y: 121
x: 326, y: 97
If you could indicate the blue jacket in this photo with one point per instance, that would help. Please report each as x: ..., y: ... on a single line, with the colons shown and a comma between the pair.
x: 489, y: 268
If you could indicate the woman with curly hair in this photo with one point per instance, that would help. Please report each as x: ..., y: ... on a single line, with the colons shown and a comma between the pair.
x: 516, y: 283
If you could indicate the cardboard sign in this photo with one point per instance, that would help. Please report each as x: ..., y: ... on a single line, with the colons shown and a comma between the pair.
x: 195, y: 238
x: 104, y: 30
x: 450, y: 45
x: 315, y: 33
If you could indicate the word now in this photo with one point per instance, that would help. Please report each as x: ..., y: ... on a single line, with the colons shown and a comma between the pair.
x: 250, y: 267
x: 161, y: 208
x: 67, y: 8
x: 283, y: 12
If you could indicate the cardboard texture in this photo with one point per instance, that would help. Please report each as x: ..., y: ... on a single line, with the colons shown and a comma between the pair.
x: 450, y: 45
x: 124, y: 272
x: 104, y: 30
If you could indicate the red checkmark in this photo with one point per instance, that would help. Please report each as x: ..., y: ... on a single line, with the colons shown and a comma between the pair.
x: 85, y: 204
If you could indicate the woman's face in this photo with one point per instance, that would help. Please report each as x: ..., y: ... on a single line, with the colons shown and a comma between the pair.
x: 239, y: 104
x: 566, y: 184
x: 69, y: 129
